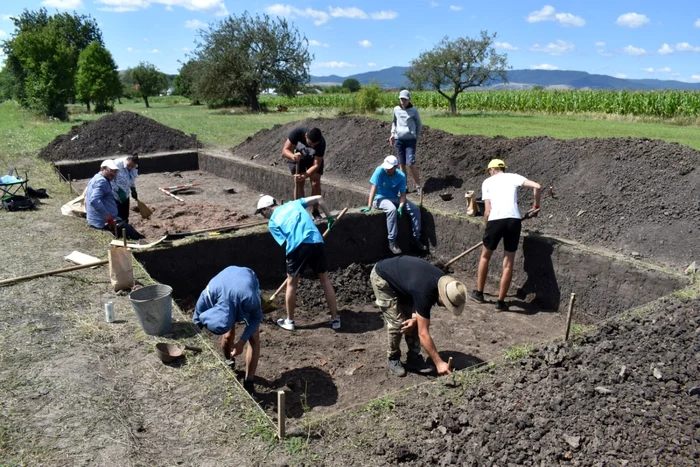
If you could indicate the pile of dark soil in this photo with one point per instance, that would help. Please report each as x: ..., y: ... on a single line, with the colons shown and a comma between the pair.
x: 351, y: 286
x: 119, y: 133
x: 628, y: 394
x: 635, y: 196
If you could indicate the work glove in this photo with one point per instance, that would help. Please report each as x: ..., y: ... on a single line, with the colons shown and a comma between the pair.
x: 331, y: 220
x: 111, y: 222
x: 365, y: 209
x: 134, y: 194
x: 122, y: 195
x: 400, y: 211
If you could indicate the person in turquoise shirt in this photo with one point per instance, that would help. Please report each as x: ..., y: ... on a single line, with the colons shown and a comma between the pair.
x: 388, y: 193
x: 292, y: 224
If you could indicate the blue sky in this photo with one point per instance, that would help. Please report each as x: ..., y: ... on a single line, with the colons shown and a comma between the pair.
x: 627, y: 39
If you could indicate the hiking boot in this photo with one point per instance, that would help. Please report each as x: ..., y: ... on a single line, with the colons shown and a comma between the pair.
x: 285, y: 323
x: 396, y: 368
x: 477, y: 296
x: 335, y: 323
x: 501, y: 305
x: 316, y: 215
x: 418, y: 244
x: 394, y: 247
x: 417, y: 363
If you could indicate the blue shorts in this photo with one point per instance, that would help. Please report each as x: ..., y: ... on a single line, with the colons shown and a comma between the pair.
x: 406, y: 151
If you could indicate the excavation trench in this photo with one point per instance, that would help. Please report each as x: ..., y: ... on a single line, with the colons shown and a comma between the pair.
x: 324, y: 371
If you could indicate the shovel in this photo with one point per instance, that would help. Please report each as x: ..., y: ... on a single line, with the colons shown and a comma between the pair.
x: 225, y: 228
x: 170, y: 352
x: 269, y: 303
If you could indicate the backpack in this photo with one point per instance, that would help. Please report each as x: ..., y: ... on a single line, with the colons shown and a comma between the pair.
x: 17, y: 203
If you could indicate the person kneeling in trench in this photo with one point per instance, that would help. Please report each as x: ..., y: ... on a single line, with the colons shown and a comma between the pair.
x: 406, y: 288
x: 231, y: 297
x: 292, y: 224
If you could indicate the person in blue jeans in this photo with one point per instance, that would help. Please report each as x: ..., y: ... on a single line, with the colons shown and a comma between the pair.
x: 233, y: 296
x: 388, y: 193
x: 292, y: 224
x: 406, y: 127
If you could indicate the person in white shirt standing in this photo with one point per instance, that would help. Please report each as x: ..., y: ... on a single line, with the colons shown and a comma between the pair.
x: 125, y: 183
x: 503, y: 221
x: 405, y: 131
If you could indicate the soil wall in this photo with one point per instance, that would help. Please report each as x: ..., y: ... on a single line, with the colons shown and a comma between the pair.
x: 150, y: 163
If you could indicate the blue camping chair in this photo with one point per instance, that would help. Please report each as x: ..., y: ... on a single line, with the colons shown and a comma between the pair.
x: 10, y: 184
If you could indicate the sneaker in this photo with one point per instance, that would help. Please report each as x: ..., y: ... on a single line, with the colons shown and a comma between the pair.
x: 285, y: 323
x: 396, y: 368
x: 394, y: 247
x: 501, y: 305
x: 335, y: 323
x: 417, y: 363
x: 477, y: 296
x: 317, y: 216
x: 418, y: 244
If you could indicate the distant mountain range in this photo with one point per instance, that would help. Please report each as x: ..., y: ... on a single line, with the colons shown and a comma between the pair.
x: 523, y: 79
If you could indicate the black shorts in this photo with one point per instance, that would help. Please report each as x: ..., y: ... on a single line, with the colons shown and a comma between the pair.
x: 304, y: 165
x: 506, y: 229
x: 307, y: 254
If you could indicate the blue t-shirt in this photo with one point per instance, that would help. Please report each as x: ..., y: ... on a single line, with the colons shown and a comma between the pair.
x: 292, y: 224
x: 388, y: 187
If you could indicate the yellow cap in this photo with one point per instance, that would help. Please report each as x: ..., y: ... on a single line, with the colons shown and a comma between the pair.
x: 496, y: 164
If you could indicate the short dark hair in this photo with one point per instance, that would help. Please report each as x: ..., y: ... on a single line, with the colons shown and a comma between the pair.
x: 134, y: 158
x: 314, y: 135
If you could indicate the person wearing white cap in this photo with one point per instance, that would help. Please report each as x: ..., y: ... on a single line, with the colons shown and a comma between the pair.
x: 406, y: 288
x: 292, y: 224
x: 405, y: 131
x: 101, y: 206
x: 388, y: 193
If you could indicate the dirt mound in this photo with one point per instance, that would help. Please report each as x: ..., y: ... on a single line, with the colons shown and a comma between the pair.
x: 171, y: 218
x: 620, y: 395
x: 119, y: 133
x: 351, y: 286
x: 629, y: 195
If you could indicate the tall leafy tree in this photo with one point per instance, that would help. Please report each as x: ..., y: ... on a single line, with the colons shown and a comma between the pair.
x: 187, y: 81
x: 454, y: 66
x: 97, y: 79
x: 352, y: 85
x: 241, y: 56
x: 149, y: 79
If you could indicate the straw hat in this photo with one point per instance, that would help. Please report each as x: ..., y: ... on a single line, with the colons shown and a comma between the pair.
x: 453, y: 294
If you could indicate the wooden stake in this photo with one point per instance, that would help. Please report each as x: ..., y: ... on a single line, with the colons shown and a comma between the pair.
x: 296, y: 186
x: 464, y: 253
x: 281, y: 420
x: 124, y: 234
x: 70, y: 184
x: 421, y: 196
x: 569, y: 315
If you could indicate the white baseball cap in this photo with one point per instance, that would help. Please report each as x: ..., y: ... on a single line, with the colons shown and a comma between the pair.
x: 405, y: 94
x: 109, y: 164
x: 265, y: 201
x: 390, y: 162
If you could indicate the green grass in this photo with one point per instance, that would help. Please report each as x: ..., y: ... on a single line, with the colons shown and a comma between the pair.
x: 381, y: 406
x: 517, y: 352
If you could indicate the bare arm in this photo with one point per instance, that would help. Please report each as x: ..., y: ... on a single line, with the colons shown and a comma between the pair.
x: 402, y: 199
x: 487, y: 211
x: 318, y: 199
x: 314, y: 168
x: 288, y: 152
x: 372, y: 192
x: 536, y: 188
x: 426, y: 341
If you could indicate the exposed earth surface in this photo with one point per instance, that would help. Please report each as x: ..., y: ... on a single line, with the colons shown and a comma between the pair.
x: 625, y: 393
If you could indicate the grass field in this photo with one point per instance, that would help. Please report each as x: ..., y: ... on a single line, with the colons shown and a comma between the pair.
x: 22, y: 134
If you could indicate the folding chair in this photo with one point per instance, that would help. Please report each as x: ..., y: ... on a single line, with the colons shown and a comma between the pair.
x: 11, y: 184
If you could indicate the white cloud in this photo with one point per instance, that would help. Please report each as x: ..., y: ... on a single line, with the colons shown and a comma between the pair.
x: 3, y: 34
x: 129, y: 49
x: 648, y: 70
x: 365, y: 43
x: 6, y: 17
x: 600, y: 44
x: 695, y: 77
x: 63, y: 4
x: 505, y: 45
x: 632, y: 20
x: 319, y: 17
x: 455, y: 7
x: 371, y: 64
x: 316, y: 43
x: 685, y: 47
x: 636, y: 51
x: 155, y: 51
x: 665, y: 50
x: 621, y: 76
x: 554, y: 48
x: 697, y: 23
x: 434, y: 4
x: 664, y: 70
x: 334, y: 64
x: 548, y: 13
x: 185, y: 49
x: 353, y: 13
x: 604, y: 53
x: 216, y: 7
x: 194, y: 24
x: 380, y: 15
x: 543, y: 66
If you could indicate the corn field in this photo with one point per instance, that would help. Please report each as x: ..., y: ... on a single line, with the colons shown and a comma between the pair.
x: 663, y: 104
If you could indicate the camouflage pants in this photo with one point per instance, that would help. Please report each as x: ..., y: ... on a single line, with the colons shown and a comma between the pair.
x: 394, y: 313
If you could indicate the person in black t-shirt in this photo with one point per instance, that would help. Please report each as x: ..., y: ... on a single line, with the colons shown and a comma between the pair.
x: 406, y: 288
x: 307, y: 147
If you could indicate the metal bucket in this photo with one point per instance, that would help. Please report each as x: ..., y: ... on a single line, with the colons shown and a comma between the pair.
x: 153, y: 307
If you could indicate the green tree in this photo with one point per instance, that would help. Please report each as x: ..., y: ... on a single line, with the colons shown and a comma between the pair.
x: 352, y: 85
x: 453, y: 66
x: 187, y: 80
x: 368, y: 98
x: 149, y: 79
x: 241, y: 56
x: 97, y: 79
